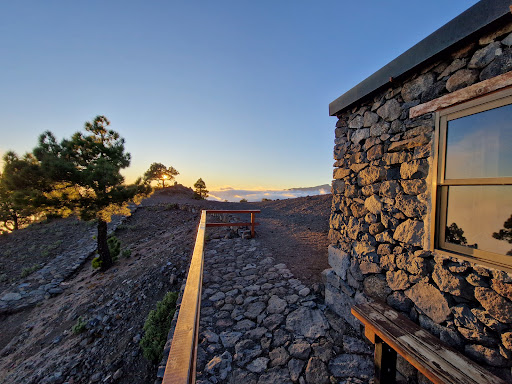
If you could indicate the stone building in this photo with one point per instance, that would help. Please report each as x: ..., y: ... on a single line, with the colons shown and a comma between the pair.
x: 422, y: 192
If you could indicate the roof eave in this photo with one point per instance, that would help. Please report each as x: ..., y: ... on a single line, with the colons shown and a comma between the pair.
x: 468, y: 23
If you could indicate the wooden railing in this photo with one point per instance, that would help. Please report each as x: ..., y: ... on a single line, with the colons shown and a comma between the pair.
x: 181, y: 364
x: 252, y: 224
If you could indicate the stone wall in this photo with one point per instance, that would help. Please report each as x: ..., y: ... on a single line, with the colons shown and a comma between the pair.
x: 380, y: 220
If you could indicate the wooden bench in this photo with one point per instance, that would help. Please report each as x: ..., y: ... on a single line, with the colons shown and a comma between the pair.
x: 393, y: 333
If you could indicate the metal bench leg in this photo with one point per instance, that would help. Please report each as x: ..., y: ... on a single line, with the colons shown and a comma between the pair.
x: 385, y: 363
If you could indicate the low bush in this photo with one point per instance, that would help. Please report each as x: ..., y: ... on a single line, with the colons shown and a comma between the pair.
x: 30, y: 270
x: 157, y: 327
x: 197, y: 196
x: 96, y: 262
x: 114, y: 246
x: 79, y: 327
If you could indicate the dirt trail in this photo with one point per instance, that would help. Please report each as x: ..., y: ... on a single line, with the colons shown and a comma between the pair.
x: 294, y: 229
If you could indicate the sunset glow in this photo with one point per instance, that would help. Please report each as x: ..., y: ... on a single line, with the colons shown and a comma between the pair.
x: 234, y: 93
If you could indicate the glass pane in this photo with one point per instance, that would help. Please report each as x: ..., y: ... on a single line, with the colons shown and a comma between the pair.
x: 480, y: 217
x: 480, y: 145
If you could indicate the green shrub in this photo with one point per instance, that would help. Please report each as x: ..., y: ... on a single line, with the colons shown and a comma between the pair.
x: 171, y: 207
x: 29, y: 270
x: 126, y: 253
x: 79, y: 327
x: 157, y: 326
x: 96, y: 262
x: 56, y: 244
x: 114, y: 246
x: 243, y: 201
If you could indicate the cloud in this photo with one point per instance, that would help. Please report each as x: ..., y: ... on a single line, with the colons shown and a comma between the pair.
x: 236, y: 195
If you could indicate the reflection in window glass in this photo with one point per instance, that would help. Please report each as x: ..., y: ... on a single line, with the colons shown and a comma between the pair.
x: 480, y: 217
x: 480, y: 145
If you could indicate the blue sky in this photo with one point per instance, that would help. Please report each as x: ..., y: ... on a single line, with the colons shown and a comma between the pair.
x: 234, y: 92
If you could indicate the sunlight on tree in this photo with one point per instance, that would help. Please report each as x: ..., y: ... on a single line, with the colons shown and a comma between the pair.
x: 160, y: 173
x: 21, y: 188
x: 85, y: 174
x: 200, y: 190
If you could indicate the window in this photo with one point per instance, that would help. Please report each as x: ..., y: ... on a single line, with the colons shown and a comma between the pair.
x: 473, y: 189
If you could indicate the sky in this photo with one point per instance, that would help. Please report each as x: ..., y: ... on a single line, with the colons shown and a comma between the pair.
x: 233, y: 92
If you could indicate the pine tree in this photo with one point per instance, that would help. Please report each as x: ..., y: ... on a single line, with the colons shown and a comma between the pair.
x: 21, y: 187
x: 85, y: 174
x: 200, y: 190
x: 159, y: 172
x: 505, y: 233
x: 455, y: 235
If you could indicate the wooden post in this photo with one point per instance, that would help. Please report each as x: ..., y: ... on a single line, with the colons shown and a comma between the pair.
x: 252, y: 224
x: 385, y: 363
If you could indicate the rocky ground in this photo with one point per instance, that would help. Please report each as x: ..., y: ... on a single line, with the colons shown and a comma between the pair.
x: 40, y: 346
x: 37, y: 344
x: 34, y: 246
x: 260, y: 324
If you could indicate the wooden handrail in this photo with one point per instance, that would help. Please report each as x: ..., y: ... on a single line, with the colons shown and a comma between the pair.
x: 234, y: 211
x: 181, y: 363
x: 180, y: 367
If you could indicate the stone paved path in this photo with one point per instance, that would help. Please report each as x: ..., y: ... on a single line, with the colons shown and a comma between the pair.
x: 49, y: 280
x: 261, y: 325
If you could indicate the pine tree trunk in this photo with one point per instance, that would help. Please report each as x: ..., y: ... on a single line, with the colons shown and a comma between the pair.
x: 103, y: 251
x: 16, y: 224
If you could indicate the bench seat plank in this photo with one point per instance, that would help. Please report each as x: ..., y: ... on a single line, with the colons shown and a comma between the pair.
x: 435, y: 359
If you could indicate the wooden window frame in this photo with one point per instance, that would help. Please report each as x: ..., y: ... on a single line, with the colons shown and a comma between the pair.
x: 440, y: 185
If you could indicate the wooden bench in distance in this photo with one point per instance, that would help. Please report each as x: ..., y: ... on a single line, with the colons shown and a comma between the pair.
x: 393, y: 333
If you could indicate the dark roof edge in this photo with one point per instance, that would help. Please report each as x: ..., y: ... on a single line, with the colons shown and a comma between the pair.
x: 470, y: 21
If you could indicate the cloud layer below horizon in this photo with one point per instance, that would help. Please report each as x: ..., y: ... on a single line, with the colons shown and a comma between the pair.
x: 235, y: 195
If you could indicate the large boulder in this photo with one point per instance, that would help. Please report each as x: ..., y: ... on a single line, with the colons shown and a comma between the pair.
x: 461, y: 79
x: 307, y: 322
x: 497, y: 306
x: 398, y: 280
x: 413, y: 89
x: 485, y: 55
x: 360, y: 134
x: 451, y: 283
x: 390, y: 111
x: 339, y: 261
x: 410, y: 232
x: 373, y: 204
x: 430, y: 301
x: 371, y: 175
x: 351, y: 365
x: 415, y: 169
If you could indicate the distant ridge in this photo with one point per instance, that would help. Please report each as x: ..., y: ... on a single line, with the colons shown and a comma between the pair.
x: 327, y: 187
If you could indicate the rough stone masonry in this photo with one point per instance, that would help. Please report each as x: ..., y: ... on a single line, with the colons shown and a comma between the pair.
x: 380, y: 220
